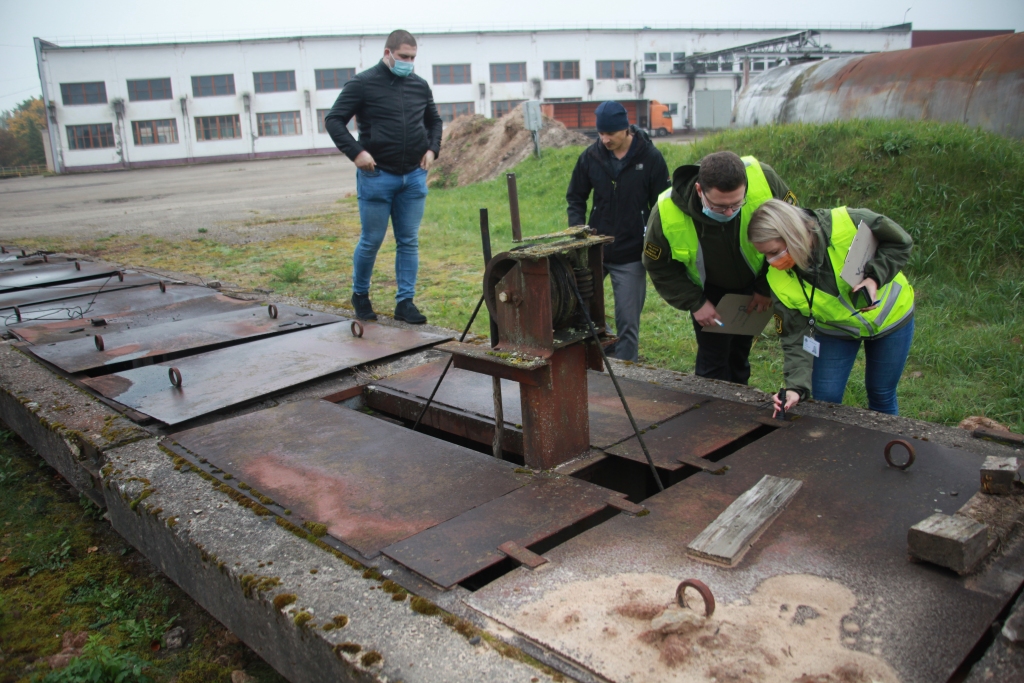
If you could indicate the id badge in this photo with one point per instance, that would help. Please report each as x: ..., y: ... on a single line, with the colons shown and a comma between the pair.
x: 812, y: 346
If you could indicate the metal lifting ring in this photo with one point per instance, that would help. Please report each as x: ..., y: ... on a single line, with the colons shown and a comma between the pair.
x: 17, y: 313
x: 906, y: 445
x: 272, y: 310
x: 175, y: 376
x: 705, y: 593
x: 98, y: 341
x: 163, y: 286
x: 357, y: 329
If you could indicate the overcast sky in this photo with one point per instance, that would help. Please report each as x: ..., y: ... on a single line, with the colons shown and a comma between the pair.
x: 21, y: 20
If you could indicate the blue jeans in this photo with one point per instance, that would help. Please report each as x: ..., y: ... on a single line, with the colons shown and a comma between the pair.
x: 884, y: 358
x: 384, y: 196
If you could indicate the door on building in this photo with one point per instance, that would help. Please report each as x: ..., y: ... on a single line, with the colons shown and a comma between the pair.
x: 712, y: 108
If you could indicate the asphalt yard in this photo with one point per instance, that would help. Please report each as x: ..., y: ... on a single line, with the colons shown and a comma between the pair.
x: 177, y: 201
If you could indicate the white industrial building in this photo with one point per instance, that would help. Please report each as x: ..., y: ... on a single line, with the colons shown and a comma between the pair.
x: 136, y: 105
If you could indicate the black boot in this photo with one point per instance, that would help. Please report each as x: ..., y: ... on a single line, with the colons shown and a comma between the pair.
x: 363, y: 307
x: 407, y: 312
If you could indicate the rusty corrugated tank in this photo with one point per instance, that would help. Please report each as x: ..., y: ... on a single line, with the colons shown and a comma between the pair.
x: 976, y: 82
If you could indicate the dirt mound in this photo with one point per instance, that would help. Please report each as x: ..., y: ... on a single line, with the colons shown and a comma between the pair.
x: 475, y: 148
x: 975, y: 421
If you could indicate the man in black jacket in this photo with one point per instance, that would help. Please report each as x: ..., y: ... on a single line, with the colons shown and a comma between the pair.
x: 399, y: 137
x: 626, y: 173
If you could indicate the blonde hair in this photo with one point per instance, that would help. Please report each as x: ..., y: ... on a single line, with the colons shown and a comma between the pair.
x: 777, y: 220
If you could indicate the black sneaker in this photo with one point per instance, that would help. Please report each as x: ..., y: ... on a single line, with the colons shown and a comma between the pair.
x: 363, y: 307
x: 407, y: 312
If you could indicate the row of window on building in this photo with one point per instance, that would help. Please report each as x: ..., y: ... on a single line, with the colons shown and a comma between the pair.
x: 227, y: 127
x: 326, y: 79
x: 672, y: 62
x: 726, y: 66
x: 202, y: 86
x: 515, y: 72
x: 165, y: 131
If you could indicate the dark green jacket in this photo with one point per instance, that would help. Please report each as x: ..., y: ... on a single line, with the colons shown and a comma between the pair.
x: 723, y: 261
x: 894, y: 245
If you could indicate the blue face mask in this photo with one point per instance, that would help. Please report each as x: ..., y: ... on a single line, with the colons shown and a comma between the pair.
x: 402, y: 69
x: 720, y: 217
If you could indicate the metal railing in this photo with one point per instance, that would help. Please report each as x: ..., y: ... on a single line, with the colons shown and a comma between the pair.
x: 19, y: 171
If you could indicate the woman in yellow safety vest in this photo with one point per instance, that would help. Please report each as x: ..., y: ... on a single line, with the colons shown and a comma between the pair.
x: 821, y: 318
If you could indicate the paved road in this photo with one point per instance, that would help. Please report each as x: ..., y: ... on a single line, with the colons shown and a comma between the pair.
x: 175, y: 201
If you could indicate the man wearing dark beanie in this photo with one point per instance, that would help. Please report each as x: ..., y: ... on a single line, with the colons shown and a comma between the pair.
x: 626, y: 173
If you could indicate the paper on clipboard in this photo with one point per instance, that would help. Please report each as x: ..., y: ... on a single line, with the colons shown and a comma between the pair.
x: 861, y: 251
x: 732, y: 310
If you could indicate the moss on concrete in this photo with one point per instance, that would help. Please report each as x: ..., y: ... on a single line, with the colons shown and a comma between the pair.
x: 283, y: 600
x: 423, y: 606
x: 316, y: 528
x: 370, y: 658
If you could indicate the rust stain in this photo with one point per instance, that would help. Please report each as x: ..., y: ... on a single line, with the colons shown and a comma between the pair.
x: 352, y: 513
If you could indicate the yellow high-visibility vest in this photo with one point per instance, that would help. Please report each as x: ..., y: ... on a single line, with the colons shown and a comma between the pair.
x: 839, y: 313
x: 681, y: 234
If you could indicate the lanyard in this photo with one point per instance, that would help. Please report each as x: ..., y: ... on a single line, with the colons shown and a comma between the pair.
x: 810, y: 302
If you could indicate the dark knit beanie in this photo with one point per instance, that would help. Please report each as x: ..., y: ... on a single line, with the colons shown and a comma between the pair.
x: 611, y: 117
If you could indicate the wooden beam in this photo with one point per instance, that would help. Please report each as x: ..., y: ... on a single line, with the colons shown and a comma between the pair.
x: 952, y: 541
x: 728, y: 538
x: 998, y: 475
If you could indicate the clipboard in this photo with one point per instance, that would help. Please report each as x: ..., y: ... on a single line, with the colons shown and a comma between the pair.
x: 862, y: 250
x: 732, y: 311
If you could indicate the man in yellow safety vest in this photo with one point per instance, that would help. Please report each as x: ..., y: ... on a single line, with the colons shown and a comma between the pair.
x: 696, y: 251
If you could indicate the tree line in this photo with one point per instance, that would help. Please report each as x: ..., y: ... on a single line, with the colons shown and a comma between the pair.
x: 21, y: 130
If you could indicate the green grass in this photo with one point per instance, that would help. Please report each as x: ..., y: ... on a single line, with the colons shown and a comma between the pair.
x: 958, y: 191
x: 62, y: 568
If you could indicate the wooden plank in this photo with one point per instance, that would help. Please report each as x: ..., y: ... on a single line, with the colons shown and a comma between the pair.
x: 728, y: 538
x: 994, y: 435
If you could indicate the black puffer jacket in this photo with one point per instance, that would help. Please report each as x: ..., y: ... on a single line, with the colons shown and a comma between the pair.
x: 622, y: 204
x: 398, y: 121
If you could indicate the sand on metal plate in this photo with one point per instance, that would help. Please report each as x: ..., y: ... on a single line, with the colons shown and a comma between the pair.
x: 628, y: 628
